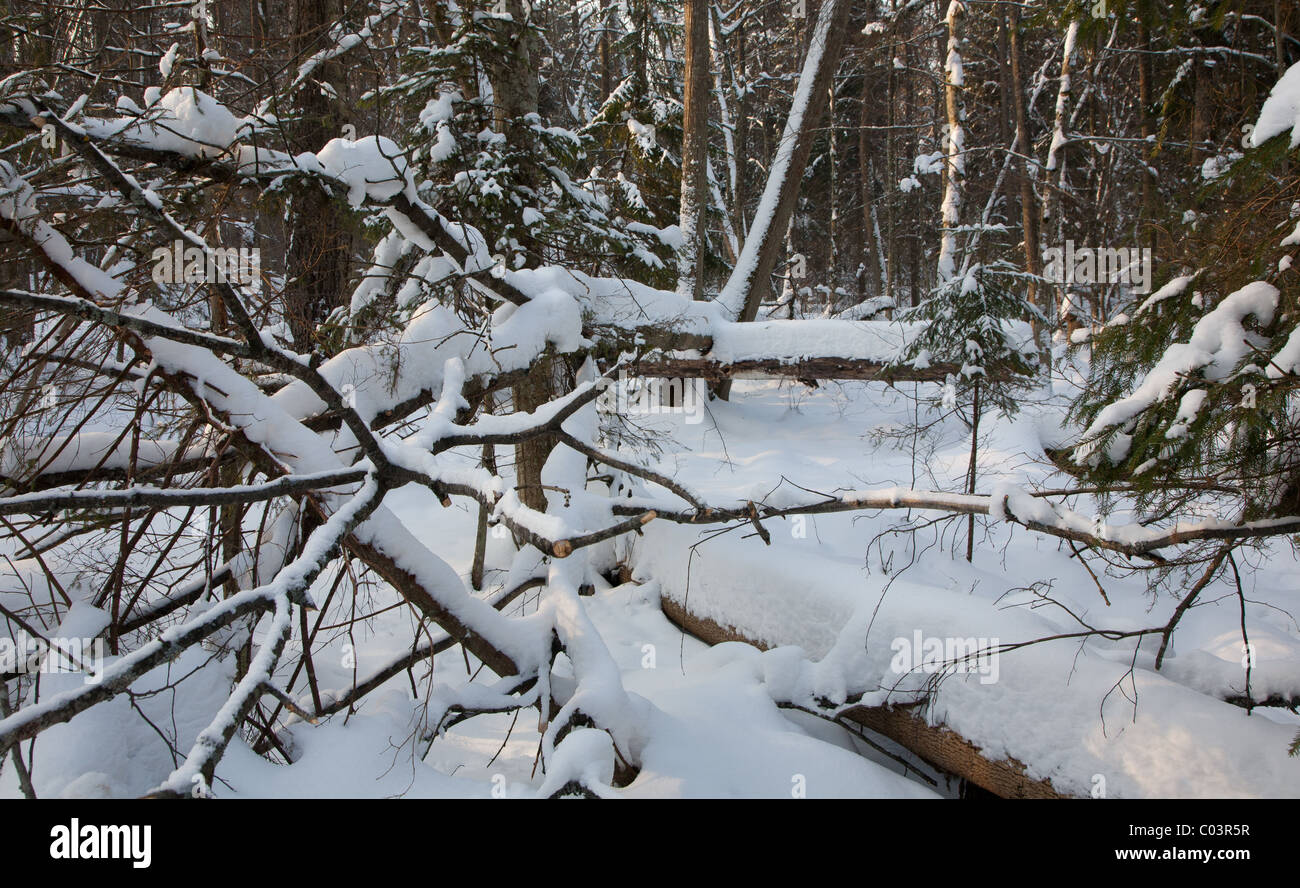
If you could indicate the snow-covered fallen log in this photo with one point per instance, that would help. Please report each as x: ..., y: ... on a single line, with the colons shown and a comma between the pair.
x: 1077, y: 714
x: 935, y: 744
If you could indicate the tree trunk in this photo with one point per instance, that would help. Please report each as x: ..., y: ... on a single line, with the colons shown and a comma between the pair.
x: 695, y: 143
x: 539, y: 387
x: 751, y: 280
x: 954, y: 165
x: 750, y: 283
x: 741, y: 194
x: 481, y: 528
x: 317, y: 260
x: 1024, y: 147
x: 1279, y: 36
x: 515, y: 87
x: 1052, y: 214
x: 1148, y: 131
x: 1200, y: 130
x: 870, y: 260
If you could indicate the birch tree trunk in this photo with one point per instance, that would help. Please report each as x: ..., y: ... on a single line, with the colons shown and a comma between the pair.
x: 1056, y: 164
x: 954, y: 163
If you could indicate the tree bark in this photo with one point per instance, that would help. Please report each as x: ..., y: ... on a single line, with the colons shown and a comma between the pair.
x: 954, y: 163
x: 1024, y: 147
x: 515, y: 87
x: 695, y: 143
x: 1148, y: 131
x: 870, y: 258
x: 318, y: 258
x: 1052, y: 213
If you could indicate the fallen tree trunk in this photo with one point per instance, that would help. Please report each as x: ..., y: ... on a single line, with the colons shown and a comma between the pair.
x: 949, y: 751
x: 937, y: 745
x: 812, y: 368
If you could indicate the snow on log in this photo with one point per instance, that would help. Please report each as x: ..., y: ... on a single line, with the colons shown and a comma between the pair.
x: 938, y: 745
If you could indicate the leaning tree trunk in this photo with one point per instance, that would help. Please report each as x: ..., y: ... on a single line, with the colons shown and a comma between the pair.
x: 751, y: 280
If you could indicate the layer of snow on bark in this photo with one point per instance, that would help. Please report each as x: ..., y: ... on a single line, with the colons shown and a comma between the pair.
x: 793, y: 340
x: 185, y: 120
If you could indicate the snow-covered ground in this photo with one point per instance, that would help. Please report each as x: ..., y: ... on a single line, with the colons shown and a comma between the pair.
x: 1080, y: 713
x: 1072, y: 712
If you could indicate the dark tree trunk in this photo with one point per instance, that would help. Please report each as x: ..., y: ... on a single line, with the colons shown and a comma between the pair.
x: 1024, y: 147
x: 318, y: 260
x: 515, y: 87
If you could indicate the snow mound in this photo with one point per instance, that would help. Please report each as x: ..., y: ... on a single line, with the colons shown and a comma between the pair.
x: 372, y: 166
x: 185, y: 120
